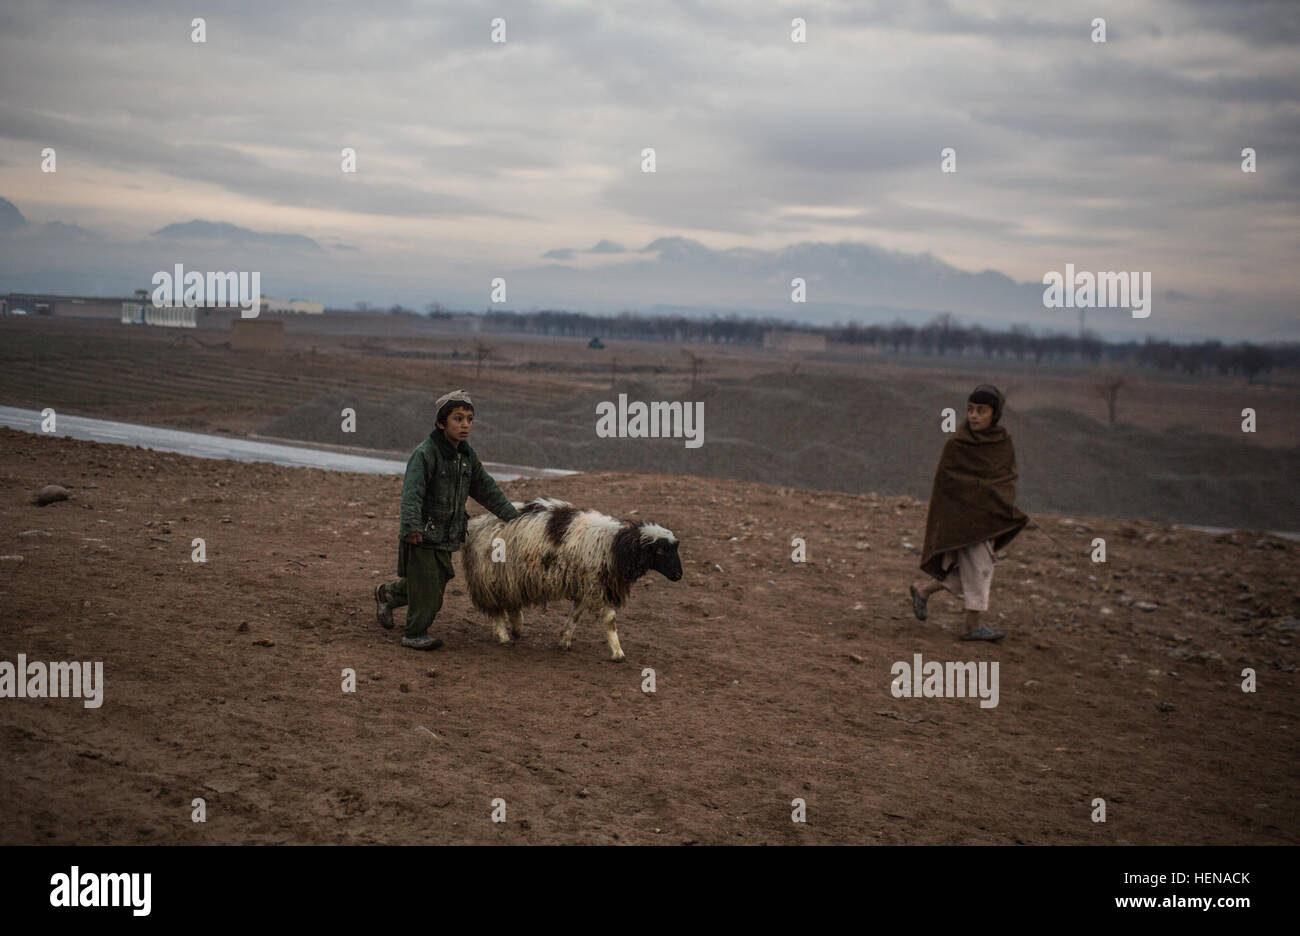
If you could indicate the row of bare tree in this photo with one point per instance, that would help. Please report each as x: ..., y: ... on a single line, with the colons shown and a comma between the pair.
x: 943, y: 335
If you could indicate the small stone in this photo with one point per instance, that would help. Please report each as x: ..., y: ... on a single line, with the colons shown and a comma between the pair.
x: 583, y: 794
x: 403, y: 687
x: 856, y: 659
x: 243, y: 627
x: 1145, y: 605
x: 1165, y: 706
x: 34, y: 533
x: 49, y: 494
x: 263, y: 642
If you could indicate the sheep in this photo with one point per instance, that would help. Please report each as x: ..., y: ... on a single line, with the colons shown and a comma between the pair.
x: 553, y: 551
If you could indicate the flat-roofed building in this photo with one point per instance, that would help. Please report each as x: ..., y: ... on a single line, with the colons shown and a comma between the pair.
x: 137, y: 312
x: 83, y: 307
x: 292, y: 306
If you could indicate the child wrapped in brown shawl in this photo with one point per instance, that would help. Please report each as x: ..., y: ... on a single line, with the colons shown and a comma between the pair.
x: 972, y: 511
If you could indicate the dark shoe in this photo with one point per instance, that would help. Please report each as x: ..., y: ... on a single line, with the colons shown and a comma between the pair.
x: 918, y: 604
x: 383, y: 610
x: 982, y: 633
x: 423, y: 642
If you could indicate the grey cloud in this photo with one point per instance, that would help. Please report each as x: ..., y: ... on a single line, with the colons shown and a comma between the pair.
x: 896, y: 217
x: 1063, y: 145
x: 1258, y: 22
x: 497, y: 153
x: 237, y: 171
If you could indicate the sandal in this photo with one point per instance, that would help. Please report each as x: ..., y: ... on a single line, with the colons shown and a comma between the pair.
x: 982, y: 633
x: 918, y: 604
x: 383, y: 610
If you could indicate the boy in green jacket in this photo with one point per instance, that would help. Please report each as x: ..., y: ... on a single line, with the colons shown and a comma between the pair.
x: 441, y: 472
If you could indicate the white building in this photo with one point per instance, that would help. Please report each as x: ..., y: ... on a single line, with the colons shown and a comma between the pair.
x: 146, y: 313
x: 292, y: 306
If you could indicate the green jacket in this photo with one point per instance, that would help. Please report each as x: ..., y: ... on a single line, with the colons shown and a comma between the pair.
x: 438, y: 479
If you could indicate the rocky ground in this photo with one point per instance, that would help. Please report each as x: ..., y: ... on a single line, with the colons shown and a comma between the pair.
x: 1120, y: 680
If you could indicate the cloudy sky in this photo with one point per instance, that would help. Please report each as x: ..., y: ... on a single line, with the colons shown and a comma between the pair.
x: 775, y: 159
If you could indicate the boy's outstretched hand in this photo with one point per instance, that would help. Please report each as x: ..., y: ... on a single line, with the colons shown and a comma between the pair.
x: 413, y: 538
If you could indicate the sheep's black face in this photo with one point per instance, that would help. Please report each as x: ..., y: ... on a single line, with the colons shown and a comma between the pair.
x: 664, y: 559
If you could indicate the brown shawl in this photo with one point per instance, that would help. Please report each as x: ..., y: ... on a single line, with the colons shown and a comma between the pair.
x: 974, y: 493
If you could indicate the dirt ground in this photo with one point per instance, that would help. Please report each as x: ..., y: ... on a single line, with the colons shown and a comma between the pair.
x: 773, y: 677
x: 845, y: 421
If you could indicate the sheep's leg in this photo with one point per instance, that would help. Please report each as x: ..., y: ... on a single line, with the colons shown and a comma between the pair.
x: 611, y: 634
x: 516, y: 624
x: 566, y: 639
x: 499, y: 628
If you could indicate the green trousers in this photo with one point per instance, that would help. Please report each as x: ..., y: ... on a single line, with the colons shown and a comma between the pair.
x: 426, y: 573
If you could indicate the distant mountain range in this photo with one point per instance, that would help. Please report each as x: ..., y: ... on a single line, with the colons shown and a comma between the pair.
x: 231, y: 233
x: 844, y: 282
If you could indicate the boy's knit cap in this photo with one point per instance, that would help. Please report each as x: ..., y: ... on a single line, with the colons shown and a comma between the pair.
x: 460, y: 396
